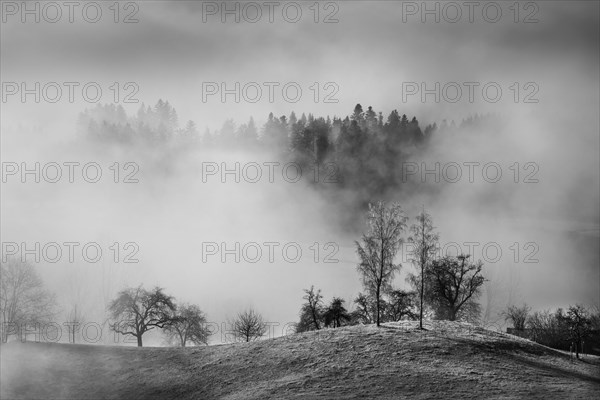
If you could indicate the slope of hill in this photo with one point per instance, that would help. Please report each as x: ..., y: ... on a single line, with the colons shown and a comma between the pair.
x: 449, y: 360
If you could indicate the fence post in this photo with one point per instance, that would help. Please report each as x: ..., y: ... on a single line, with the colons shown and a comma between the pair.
x: 571, y: 352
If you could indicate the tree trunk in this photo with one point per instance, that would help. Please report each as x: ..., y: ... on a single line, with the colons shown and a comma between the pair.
x: 422, y: 267
x: 452, y: 316
x: 314, y: 315
x: 577, y: 349
x: 139, y: 340
x: 377, y: 295
x: 422, y: 289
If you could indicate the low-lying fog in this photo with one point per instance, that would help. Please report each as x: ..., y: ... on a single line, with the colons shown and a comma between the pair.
x: 171, y: 212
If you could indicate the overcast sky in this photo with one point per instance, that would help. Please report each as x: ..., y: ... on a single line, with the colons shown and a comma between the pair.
x: 368, y: 53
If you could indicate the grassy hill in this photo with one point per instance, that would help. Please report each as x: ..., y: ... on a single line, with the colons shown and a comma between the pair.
x: 449, y: 360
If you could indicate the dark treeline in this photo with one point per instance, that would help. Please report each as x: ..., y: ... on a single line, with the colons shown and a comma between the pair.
x: 363, y: 152
x: 576, y: 329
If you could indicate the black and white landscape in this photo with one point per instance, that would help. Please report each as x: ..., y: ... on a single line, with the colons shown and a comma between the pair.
x: 309, y: 199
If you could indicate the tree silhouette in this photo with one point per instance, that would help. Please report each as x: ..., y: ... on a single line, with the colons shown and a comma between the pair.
x: 311, y: 313
x: 579, y: 325
x: 248, y: 326
x: 425, y: 241
x: 188, y: 325
x: 23, y: 299
x: 454, y: 282
x: 336, y: 314
x: 400, y: 304
x: 378, y: 249
x: 366, y: 309
x: 135, y: 311
x: 517, y: 315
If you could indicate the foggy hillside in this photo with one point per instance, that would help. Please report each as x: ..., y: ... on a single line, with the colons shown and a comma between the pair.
x: 352, y: 362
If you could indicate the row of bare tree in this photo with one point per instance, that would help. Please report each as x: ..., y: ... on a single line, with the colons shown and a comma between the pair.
x: 25, y: 305
x: 445, y: 287
x: 559, y: 329
x: 136, y: 311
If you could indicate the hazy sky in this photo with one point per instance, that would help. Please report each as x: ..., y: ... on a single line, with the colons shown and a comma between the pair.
x: 368, y: 54
x: 372, y: 55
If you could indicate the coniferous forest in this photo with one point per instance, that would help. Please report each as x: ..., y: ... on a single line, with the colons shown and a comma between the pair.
x: 364, y: 152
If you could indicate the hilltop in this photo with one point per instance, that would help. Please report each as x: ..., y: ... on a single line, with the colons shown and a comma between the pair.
x: 448, y: 360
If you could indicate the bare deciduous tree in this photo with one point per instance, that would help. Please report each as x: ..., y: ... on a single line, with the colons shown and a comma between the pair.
x: 548, y: 328
x: 23, y: 299
x: 379, y: 248
x: 365, y: 309
x: 188, y: 325
x: 75, y: 320
x: 579, y: 325
x: 311, y: 313
x: 336, y: 314
x: 425, y: 241
x: 248, y: 326
x: 135, y: 311
x: 517, y: 315
x: 401, y: 304
x: 455, y: 283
